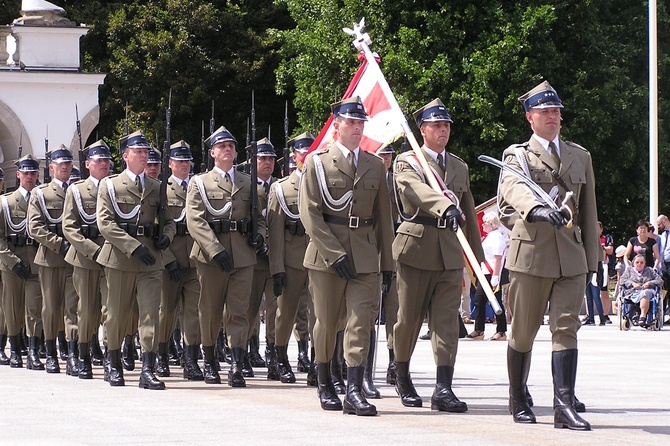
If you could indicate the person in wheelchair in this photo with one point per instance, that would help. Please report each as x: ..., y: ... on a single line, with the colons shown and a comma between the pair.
x: 638, y: 283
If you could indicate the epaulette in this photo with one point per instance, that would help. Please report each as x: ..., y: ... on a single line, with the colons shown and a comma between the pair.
x: 457, y: 157
x: 112, y: 176
x: 80, y: 181
x: 523, y: 145
x: 44, y: 186
x: 281, y: 180
x: 570, y: 143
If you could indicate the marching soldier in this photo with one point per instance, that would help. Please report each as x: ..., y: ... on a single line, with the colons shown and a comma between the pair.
x: 4, y: 360
x: 21, y: 295
x: 345, y: 209
x: 127, y: 208
x: 262, y: 283
x: 45, y: 217
x: 548, y: 263
x: 218, y: 212
x: 81, y: 230
x: 430, y: 260
x: 180, y: 277
x: 287, y: 253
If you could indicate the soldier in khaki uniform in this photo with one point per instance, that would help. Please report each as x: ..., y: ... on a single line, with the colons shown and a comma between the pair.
x: 287, y: 254
x: 218, y: 211
x: 132, y: 255
x: 180, y: 277
x: 45, y: 216
x: 81, y: 230
x: 548, y: 262
x: 345, y: 209
x: 21, y: 295
x: 4, y: 360
x: 430, y: 259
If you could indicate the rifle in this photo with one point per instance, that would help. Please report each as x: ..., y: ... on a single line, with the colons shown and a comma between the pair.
x: 204, y: 155
x: 126, y: 131
x: 253, y: 171
x: 82, y: 161
x: 47, y: 158
x: 210, y: 160
x: 20, y: 156
x: 165, y: 170
x: 285, y: 167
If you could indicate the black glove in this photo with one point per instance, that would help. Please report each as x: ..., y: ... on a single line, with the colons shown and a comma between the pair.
x: 64, y: 246
x: 162, y: 243
x: 454, y: 218
x: 256, y: 240
x: 22, y: 269
x: 279, y: 282
x: 387, y: 277
x: 145, y: 256
x: 553, y: 216
x: 173, y: 271
x: 263, y: 251
x: 224, y: 261
x: 344, y: 268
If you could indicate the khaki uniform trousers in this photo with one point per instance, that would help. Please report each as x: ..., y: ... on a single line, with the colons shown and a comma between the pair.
x: 333, y: 297
x: 60, y: 302
x: 218, y: 288
x: 91, y: 286
x: 287, y: 304
x: 125, y: 288
x: 391, y: 311
x: 22, y: 303
x: 187, y: 293
x: 528, y: 297
x: 262, y: 285
x: 304, y: 317
x: 439, y: 294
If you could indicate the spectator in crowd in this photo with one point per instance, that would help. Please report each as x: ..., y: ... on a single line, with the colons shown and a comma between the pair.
x: 638, y: 283
x: 644, y: 245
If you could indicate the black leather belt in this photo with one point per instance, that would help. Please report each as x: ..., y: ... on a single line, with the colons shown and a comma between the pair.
x: 225, y: 226
x: 149, y: 230
x: 439, y: 223
x: 295, y: 227
x: 352, y: 222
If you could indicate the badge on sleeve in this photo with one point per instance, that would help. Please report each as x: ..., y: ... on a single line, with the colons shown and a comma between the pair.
x: 400, y: 166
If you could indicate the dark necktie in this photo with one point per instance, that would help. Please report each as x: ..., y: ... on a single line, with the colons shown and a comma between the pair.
x: 440, y: 161
x: 266, y: 187
x: 352, y: 161
x: 138, y: 183
x: 28, y: 197
x: 183, y: 185
x: 554, y: 153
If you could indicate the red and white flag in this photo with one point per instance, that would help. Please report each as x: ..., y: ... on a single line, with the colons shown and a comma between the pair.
x: 383, y: 126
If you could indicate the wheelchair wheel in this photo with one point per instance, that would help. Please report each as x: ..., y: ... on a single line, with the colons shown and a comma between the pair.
x: 624, y: 323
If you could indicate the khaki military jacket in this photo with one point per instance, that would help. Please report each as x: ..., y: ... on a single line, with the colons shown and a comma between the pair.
x: 219, y: 192
x: 10, y: 254
x: 426, y: 246
x: 287, y: 249
x: 539, y: 248
x: 368, y: 247
x: 50, y: 242
x: 390, y: 184
x: 119, y: 245
x: 262, y: 263
x: 181, y: 246
x: 83, y: 249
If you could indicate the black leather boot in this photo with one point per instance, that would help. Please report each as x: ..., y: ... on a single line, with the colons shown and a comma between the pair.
x: 192, y: 371
x: 62, y: 346
x: 354, y: 401
x: 106, y: 366
x: 33, y: 359
x: 326, y: 391
x: 286, y: 374
x: 85, y: 369
x: 128, y: 357
x: 563, y: 369
x: 210, y: 370
x: 369, y: 389
x: 404, y: 386
x: 271, y: 362
x: 115, y: 374
x: 137, y: 347
x: 4, y: 360
x: 162, y: 364
x: 43, y: 348
x: 97, y: 358
x: 255, y: 358
x: 247, y: 370
x: 443, y: 398
x: 303, y: 356
x: 391, y: 370
x: 72, y: 365
x: 222, y: 349
x: 15, y: 360
x: 336, y: 365
x: 52, y: 365
x: 312, y: 378
x: 176, y: 351
x: 148, y: 379
x: 235, y: 378
x: 23, y: 342
x: 518, y: 366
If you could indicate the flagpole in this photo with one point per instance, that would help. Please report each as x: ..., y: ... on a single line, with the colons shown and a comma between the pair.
x: 361, y: 43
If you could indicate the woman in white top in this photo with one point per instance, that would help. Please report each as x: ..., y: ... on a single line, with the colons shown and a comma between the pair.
x: 495, y: 246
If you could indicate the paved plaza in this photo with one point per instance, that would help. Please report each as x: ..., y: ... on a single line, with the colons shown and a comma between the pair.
x: 622, y: 378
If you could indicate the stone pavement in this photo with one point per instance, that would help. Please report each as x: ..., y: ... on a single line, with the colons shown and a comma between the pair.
x: 622, y: 378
